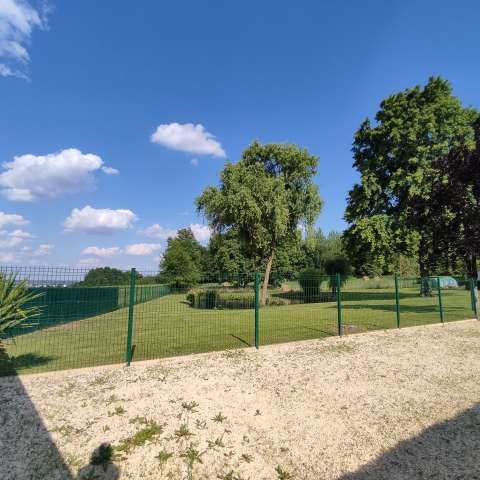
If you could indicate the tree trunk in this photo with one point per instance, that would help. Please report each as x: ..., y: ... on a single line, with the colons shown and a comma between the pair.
x: 266, y: 279
x: 425, y: 286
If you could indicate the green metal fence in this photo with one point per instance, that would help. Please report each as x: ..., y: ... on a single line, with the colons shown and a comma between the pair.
x: 84, y: 326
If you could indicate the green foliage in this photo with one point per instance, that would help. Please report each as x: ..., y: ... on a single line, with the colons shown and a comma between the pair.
x: 337, y: 265
x: 14, y: 303
x: 389, y: 212
x: 183, y: 260
x: 228, y: 255
x: 264, y: 197
x: 317, y: 247
x: 105, y: 276
x: 149, y: 433
x: 228, y: 299
x: 310, y: 281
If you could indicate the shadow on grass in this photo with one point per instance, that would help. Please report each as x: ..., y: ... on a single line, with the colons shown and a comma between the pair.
x: 447, y: 450
x: 9, y: 365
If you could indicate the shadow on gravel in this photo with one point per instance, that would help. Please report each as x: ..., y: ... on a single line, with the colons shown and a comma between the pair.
x: 447, y: 450
x: 27, y: 449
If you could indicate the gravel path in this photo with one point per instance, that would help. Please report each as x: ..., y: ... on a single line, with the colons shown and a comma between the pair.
x: 383, y: 405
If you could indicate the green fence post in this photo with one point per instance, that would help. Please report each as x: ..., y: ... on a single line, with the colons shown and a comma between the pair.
x: 439, y: 288
x: 131, y: 303
x: 257, y: 310
x: 397, y: 300
x: 339, y: 303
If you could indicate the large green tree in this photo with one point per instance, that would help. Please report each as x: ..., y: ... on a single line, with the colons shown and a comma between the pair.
x: 184, y: 259
x: 264, y: 196
x: 395, y: 157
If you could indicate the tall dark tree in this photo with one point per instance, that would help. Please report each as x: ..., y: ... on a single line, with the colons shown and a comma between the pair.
x: 453, y: 214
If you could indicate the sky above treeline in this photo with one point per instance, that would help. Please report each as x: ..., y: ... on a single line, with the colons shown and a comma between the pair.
x: 114, y: 116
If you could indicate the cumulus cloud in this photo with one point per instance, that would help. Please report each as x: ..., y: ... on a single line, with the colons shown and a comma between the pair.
x: 200, y: 232
x: 189, y: 138
x: 159, y: 232
x: 143, y: 249
x: 89, y: 262
x: 20, y: 234
x: 17, y: 20
x: 101, y: 220
x: 7, y: 257
x: 13, y: 239
x: 43, y: 250
x: 11, y: 219
x: 10, y: 242
x: 110, y: 171
x: 101, y: 252
x: 31, y: 177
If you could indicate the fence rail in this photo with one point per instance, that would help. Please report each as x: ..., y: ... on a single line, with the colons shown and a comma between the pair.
x: 133, y: 317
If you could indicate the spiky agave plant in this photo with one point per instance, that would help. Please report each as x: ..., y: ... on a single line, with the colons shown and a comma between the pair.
x: 14, y: 297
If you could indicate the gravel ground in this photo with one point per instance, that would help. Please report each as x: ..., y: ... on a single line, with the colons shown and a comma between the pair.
x: 383, y: 405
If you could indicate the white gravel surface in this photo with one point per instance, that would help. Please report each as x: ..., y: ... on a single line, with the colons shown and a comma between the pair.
x: 382, y: 405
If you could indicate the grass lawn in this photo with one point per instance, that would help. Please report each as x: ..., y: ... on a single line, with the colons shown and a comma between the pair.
x: 168, y: 326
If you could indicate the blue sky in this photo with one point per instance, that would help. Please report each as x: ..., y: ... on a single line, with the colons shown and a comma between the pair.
x: 85, y: 85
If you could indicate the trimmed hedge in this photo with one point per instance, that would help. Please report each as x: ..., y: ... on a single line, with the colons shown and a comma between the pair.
x: 229, y: 299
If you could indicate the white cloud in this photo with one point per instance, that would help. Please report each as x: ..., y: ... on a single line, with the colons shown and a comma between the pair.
x: 195, y: 162
x: 20, y: 234
x: 11, y: 219
x: 10, y: 242
x: 43, y: 249
x: 89, y: 262
x: 17, y: 20
x: 189, y: 138
x: 101, y: 252
x: 159, y: 232
x: 143, y: 249
x: 110, y: 171
x: 31, y: 177
x: 101, y: 220
x: 7, y: 257
x: 200, y: 232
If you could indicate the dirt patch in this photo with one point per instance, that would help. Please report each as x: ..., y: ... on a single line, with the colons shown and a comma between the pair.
x: 371, y: 406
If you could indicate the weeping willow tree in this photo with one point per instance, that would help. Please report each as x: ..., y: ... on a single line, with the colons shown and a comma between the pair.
x: 264, y: 197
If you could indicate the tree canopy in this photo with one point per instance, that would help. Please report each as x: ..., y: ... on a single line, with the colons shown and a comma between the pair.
x: 184, y: 259
x: 388, y: 211
x: 264, y: 197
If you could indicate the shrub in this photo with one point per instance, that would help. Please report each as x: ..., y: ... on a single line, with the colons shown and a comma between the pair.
x: 14, y: 298
x: 310, y: 281
x: 228, y: 299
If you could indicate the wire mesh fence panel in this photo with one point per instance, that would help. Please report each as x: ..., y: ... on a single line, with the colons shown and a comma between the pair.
x: 368, y: 304
x: 419, y: 302
x: 457, y: 298
x: 215, y: 314
x: 299, y: 309
x: 77, y: 325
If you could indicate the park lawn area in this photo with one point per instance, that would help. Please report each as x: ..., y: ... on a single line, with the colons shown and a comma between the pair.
x: 168, y: 326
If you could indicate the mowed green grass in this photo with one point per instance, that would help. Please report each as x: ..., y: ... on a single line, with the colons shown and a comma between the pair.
x: 168, y: 326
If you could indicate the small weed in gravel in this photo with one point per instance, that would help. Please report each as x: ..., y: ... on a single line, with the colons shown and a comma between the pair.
x: 219, y: 418
x: 282, y: 474
x: 149, y: 433
x: 183, y: 432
